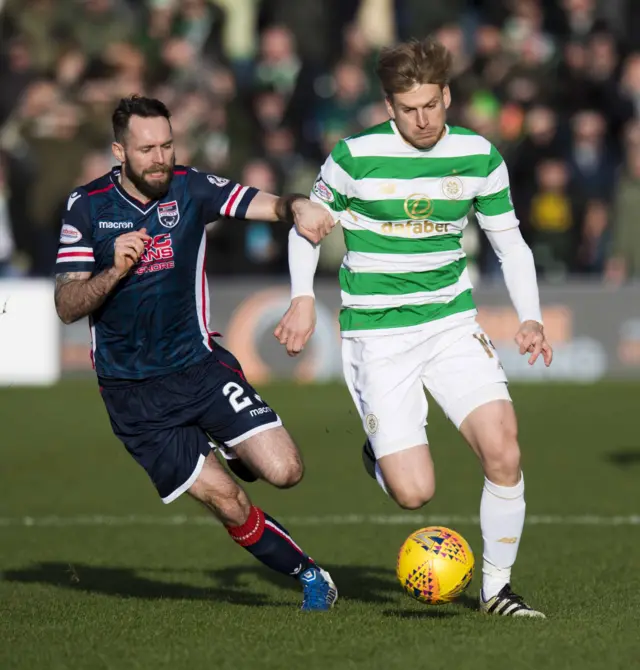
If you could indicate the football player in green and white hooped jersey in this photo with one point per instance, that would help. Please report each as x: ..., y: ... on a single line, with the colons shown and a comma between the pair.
x: 402, y: 191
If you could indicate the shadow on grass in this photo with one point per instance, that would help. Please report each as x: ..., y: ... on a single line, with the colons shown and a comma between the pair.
x: 624, y: 458
x: 435, y: 612
x: 235, y: 585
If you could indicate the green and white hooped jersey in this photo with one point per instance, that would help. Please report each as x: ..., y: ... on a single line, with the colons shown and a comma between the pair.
x: 403, y: 211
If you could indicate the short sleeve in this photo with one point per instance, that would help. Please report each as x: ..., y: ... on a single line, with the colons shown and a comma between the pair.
x: 75, y: 251
x: 493, y: 204
x: 332, y: 186
x: 219, y: 196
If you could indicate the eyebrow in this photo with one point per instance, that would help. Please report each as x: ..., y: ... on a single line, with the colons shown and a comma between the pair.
x: 430, y: 102
x: 150, y: 146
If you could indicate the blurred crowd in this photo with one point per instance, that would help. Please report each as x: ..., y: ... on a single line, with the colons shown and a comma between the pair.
x: 261, y: 90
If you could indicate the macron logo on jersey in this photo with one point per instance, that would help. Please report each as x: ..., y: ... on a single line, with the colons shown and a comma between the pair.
x: 72, y: 198
x: 115, y: 224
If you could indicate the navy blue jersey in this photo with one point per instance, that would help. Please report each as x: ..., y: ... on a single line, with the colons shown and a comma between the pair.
x: 156, y: 319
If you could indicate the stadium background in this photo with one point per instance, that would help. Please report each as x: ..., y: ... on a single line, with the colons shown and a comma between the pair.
x: 261, y: 90
x: 94, y: 571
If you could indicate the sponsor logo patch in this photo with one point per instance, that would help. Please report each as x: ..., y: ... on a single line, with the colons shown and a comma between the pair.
x: 69, y: 234
x: 157, y: 255
x: 418, y: 206
x: 371, y: 423
x: 323, y: 191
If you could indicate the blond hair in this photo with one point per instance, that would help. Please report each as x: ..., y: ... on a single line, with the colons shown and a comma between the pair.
x: 403, y: 66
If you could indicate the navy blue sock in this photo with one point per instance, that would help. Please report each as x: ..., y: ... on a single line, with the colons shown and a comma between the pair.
x: 270, y: 543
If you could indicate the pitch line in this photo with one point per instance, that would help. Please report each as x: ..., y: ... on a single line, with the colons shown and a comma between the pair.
x: 414, y: 520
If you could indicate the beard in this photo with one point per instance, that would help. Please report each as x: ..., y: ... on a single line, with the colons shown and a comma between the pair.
x: 151, y: 189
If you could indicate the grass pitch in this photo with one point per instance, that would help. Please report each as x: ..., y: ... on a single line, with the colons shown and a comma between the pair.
x: 97, y: 573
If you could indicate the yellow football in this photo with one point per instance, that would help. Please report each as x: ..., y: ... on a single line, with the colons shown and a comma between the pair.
x: 435, y: 565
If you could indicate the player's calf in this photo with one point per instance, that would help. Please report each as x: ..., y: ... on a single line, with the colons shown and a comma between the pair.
x: 261, y: 535
x: 491, y: 431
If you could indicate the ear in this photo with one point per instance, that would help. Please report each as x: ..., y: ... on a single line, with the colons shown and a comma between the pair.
x: 389, y: 105
x: 118, y: 151
x: 446, y: 96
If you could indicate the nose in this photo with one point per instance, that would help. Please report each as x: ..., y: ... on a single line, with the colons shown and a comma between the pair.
x: 421, y: 119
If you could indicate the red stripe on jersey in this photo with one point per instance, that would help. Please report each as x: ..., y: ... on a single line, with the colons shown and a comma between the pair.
x: 102, y: 190
x: 181, y: 172
x: 232, y: 199
x: 72, y: 254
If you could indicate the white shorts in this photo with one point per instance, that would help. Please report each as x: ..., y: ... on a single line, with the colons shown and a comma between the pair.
x: 386, y: 375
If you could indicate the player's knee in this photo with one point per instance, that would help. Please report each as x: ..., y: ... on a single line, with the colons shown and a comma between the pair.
x: 231, y: 507
x: 414, y: 497
x: 287, y: 474
x: 502, y: 459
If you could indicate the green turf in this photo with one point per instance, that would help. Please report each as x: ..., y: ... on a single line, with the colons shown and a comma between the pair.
x: 158, y: 596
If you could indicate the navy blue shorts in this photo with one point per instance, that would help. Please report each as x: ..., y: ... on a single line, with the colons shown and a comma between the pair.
x: 166, y: 423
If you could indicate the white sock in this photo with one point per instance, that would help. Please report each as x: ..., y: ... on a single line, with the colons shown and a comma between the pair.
x: 502, y: 511
x: 380, y: 478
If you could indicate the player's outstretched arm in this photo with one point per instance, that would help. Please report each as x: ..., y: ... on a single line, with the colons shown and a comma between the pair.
x: 311, y: 220
x: 519, y: 272
x: 78, y: 294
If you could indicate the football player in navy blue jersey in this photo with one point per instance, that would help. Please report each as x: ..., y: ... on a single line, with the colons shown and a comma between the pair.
x: 132, y: 259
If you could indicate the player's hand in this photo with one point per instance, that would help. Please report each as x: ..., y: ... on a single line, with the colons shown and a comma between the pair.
x: 531, y: 338
x: 128, y: 249
x: 312, y: 220
x: 297, y: 325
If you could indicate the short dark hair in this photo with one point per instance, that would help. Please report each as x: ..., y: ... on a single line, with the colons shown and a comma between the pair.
x: 403, y: 66
x: 136, y: 105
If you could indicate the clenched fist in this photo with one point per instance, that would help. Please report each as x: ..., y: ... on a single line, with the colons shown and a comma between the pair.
x: 128, y: 249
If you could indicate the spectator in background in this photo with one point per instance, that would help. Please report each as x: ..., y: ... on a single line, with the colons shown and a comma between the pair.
x: 542, y: 79
x: 591, y: 159
x: 16, y: 73
x: 278, y: 65
x: 594, y: 234
x: 553, y: 219
x: 624, y: 261
x: 342, y: 105
x: 541, y: 141
x: 574, y: 91
x: 97, y: 25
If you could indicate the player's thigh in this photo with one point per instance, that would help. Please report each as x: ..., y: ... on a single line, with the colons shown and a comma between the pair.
x: 241, y: 422
x: 172, y: 458
x: 466, y: 373
x: 383, y: 377
x: 172, y: 454
x: 215, y: 488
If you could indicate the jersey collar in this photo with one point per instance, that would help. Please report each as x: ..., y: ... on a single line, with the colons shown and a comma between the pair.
x: 143, y: 208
